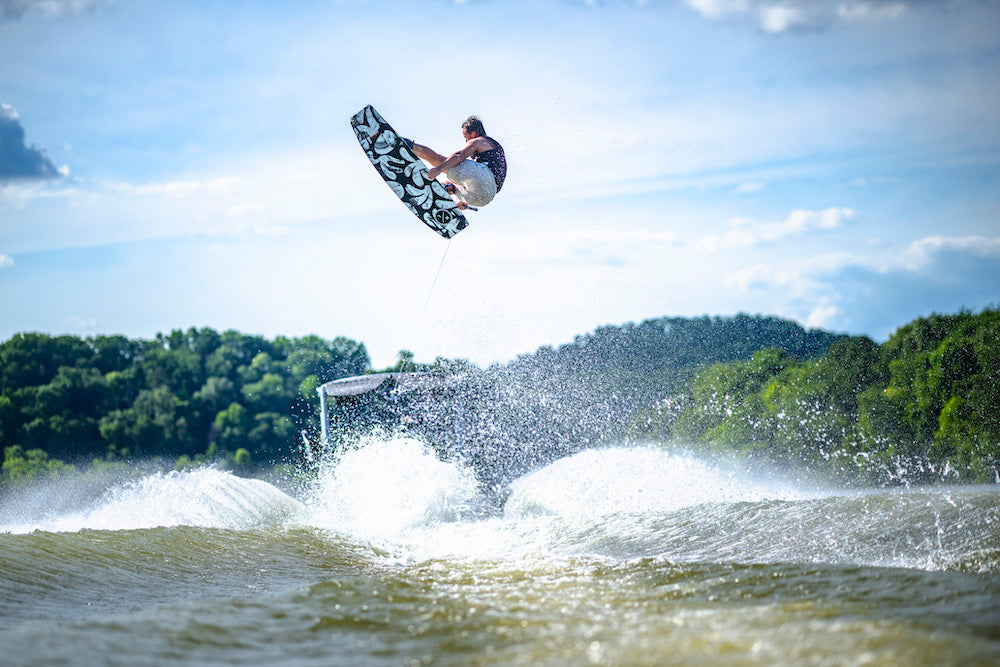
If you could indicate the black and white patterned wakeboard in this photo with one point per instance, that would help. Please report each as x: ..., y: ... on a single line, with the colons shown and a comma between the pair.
x: 406, y: 174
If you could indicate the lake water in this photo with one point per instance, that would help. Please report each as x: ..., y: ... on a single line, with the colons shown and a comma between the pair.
x: 624, y: 556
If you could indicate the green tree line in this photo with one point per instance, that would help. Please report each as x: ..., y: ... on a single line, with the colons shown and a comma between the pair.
x: 189, y: 395
x: 923, y: 405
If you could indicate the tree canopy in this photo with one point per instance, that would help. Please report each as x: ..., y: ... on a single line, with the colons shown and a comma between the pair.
x: 189, y: 393
x: 921, y: 406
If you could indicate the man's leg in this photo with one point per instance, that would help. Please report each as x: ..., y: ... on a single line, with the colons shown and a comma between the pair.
x: 429, y: 156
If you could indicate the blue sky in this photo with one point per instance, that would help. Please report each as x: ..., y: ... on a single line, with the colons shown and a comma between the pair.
x: 168, y: 165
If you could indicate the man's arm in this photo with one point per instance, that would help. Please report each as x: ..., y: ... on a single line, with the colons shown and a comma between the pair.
x: 464, y: 153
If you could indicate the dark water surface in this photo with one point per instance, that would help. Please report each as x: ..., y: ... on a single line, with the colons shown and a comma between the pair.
x: 621, y: 556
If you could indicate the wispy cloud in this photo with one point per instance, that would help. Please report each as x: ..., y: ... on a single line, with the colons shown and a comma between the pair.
x: 778, y: 16
x: 6, y: 262
x: 18, y: 160
x: 942, y: 251
x: 80, y: 324
x: 876, y: 293
x: 216, y: 185
x: 15, y: 9
x: 743, y: 232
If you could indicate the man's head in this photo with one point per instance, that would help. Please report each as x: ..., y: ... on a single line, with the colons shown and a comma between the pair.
x: 473, y: 124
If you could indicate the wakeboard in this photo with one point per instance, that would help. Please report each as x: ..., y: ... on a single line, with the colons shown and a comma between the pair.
x: 406, y: 174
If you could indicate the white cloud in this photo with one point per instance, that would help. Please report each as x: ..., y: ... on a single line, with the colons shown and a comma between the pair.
x: 247, y: 195
x: 15, y: 9
x: 6, y: 262
x: 719, y: 8
x: 923, y: 256
x: 880, y: 292
x: 779, y: 16
x: 747, y: 188
x: 744, y: 232
x: 81, y: 325
x: 862, y: 11
x: 924, y: 253
x: 244, y: 209
x: 758, y: 276
x: 177, y: 188
x: 823, y: 316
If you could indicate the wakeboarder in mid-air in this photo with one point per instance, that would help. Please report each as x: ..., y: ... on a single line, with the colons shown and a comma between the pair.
x: 475, y: 172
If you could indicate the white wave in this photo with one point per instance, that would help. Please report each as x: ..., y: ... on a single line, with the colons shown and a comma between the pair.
x: 627, y: 480
x: 203, y: 497
x: 384, y: 487
x: 396, y: 493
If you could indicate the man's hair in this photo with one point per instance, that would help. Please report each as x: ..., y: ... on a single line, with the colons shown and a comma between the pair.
x: 473, y: 124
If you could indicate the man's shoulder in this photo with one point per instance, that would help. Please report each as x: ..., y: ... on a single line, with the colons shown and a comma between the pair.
x: 483, y: 144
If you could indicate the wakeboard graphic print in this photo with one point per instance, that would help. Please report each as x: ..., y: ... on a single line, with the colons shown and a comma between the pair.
x: 406, y: 175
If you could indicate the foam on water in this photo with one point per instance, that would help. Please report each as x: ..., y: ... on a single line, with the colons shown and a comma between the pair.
x: 385, y: 488
x: 395, y: 495
x: 629, y: 480
x: 203, y: 497
x: 627, y: 503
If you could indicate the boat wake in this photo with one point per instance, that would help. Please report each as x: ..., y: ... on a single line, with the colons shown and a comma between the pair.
x: 621, y: 504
